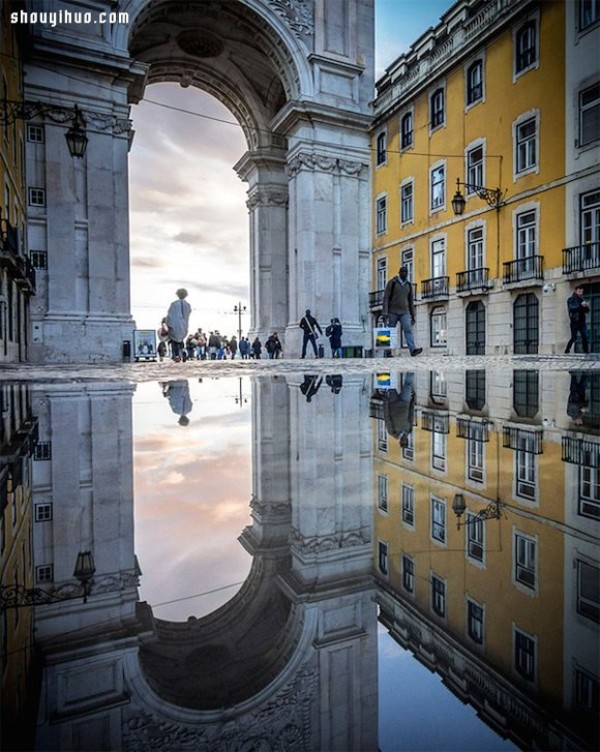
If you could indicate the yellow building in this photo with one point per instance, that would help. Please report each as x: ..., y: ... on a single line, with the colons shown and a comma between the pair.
x: 476, y: 188
x: 17, y: 276
x: 486, y: 532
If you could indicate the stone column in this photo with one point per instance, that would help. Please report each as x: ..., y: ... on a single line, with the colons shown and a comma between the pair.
x: 268, y: 210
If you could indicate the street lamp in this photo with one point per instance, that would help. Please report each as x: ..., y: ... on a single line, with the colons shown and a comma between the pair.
x: 492, y: 196
x: 239, y: 309
x: 17, y: 596
x: 493, y: 511
x: 241, y: 400
x: 76, y: 137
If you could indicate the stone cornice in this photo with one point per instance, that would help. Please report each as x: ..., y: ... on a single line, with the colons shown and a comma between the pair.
x: 440, y: 48
x: 296, y: 111
x: 321, y: 543
x: 315, y: 162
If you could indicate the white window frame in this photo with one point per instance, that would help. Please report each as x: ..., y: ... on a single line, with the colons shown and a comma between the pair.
x: 582, y: 110
x: 407, y: 114
x: 475, y: 172
x: 383, y: 558
x: 44, y: 573
x: 588, y: 496
x: 439, y: 596
x: 525, y: 562
x: 526, y: 476
x: 475, y: 540
x: 535, y: 19
x: 468, y: 66
x: 439, y: 326
x: 472, y: 602
x: 381, y: 214
x: 381, y: 137
x: 408, y: 202
x: 438, y: 167
x: 525, y: 145
x: 383, y: 497
x: 594, y: 7
x: 36, y: 133
x: 43, y: 512
x: 476, y: 463
x: 408, y: 577
x: 531, y: 674
x: 36, y: 197
x: 438, y: 520
x: 580, y: 597
x: 408, y: 506
x: 382, y: 437
x: 439, y: 90
x: 382, y: 272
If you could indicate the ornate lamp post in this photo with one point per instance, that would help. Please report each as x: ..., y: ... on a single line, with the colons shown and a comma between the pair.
x: 492, y: 196
x: 493, y: 511
x: 239, y: 309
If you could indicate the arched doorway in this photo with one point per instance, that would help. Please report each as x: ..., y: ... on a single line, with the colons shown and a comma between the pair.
x: 298, y: 77
x: 475, y: 328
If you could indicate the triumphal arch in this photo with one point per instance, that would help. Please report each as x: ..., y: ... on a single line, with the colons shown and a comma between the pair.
x: 297, y: 75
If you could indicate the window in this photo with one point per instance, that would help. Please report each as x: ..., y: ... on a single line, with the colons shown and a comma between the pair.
x: 438, y: 519
x: 475, y: 168
x: 408, y: 574
x: 475, y: 82
x: 590, y: 217
x: 381, y: 272
x: 406, y: 131
x: 475, y: 621
x: 438, y: 187
x: 43, y: 512
x: 439, y: 327
x: 436, y: 108
x: 526, y: 242
x: 589, y: 13
x: 438, y: 258
x: 408, y: 261
x: 406, y: 202
x: 589, y: 491
x: 475, y: 538
x: 44, y: 573
x: 526, y: 324
x: 525, y: 145
x: 475, y: 460
x: 475, y: 260
x: 438, y: 451
x: 588, y: 591
x: 524, y: 654
x: 382, y: 436
x: 381, y: 214
x: 381, y: 148
x: 408, y: 505
x: 39, y: 259
x: 382, y: 492
x: 526, y: 46
x: 382, y: 558
x: 586, y: 691
x: 37, y: 197
x: 475, y: 389
x: 525, y: 560
x: 438, y: 386
x: 43, y: 451
x: 35, y: 134
x: 589, y: 115
x: 526, y: 398
x: 408, y: 452
x: 438, y: 596
x: 525, y: 470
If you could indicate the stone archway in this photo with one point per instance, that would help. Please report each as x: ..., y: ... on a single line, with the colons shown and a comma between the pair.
x: 298, y: 76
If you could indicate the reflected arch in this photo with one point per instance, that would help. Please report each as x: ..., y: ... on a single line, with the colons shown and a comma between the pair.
x: 298, y: 77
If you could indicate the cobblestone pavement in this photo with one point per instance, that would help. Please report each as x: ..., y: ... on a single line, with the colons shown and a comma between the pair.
x: 168, y: 370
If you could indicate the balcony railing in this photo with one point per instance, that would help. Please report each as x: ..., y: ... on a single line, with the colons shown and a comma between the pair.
x: 580, y: 452
x: 472, y: 429
x: 437, y: 287
x: 522, y: 440
x: 526, y: 268
x: 435, y: 422
x: 376, y: 300
x: 581, y: 258
x: 19, y: 266
x: 473, y: 279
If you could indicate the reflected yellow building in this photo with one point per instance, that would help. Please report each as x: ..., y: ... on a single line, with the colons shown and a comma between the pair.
x: 486, y: 180
x: 486, y: 530
x: 17, y: 682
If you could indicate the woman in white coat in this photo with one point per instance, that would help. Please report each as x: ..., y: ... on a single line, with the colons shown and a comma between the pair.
x: 178, y: 317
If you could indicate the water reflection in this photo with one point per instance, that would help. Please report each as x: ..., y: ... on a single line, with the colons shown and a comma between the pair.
x: 346, y: 517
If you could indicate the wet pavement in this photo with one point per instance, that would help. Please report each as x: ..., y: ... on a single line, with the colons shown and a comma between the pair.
x: 389, y: 554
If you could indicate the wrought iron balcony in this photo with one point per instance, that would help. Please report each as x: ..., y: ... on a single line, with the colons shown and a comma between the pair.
x: 376, y: 300
x: 581, y: 258
x: 18, y: 265
x: 522, y: 440
x: 578, y: 451
x: 523, y: 269
x: 435, y: 422
x: 473, y: 279
x: 436, y: 287
x: 476, y: 430
x: 376, y: 408
x: 25, y: 278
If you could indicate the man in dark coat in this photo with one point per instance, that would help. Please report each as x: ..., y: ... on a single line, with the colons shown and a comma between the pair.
x: 309, y: 326
x: 578, y: 309
x: 398, y: 306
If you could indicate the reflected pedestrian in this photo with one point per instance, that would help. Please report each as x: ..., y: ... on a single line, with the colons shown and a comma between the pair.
x: 178, y: 395
x: 399, y: 410
x: 577, y: 308
x: 577, y: 404
x: 310, y: 386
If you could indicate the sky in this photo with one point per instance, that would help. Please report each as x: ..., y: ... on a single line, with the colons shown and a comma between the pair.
x: 188, y: 215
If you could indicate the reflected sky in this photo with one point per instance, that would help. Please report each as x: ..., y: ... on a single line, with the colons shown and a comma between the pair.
x: 392, y: 560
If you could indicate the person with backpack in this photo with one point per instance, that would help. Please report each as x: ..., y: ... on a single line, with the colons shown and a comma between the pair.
x: 398, y: 306
x: 334, y: 333
x: 309, y: 326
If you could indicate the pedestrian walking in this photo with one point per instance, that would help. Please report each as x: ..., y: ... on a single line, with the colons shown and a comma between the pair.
x: 398, y: 306
x: 273, y: 346
x: 578, y: 309
x: 334, y: 334
x: 233, y: 346
x: 309, y: 326
x: 178, y: 317
x: 256, y: 348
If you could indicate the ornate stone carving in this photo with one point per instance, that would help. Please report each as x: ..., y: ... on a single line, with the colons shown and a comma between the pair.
x: 97, y: 121
x: 298, y: 15
x: 267, y: 197
x: 309, y: 161
x: 269, y: 507
x: 281, y: 723
x: 321, y: 543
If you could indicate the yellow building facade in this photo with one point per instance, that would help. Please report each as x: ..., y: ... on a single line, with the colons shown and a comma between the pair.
x: 473, y: 175
x: 17, y: 275
x: 486, y: 531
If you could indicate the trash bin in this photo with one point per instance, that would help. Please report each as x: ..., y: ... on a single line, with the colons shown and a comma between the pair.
x: 321, y: 351
x: 126, y: 349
